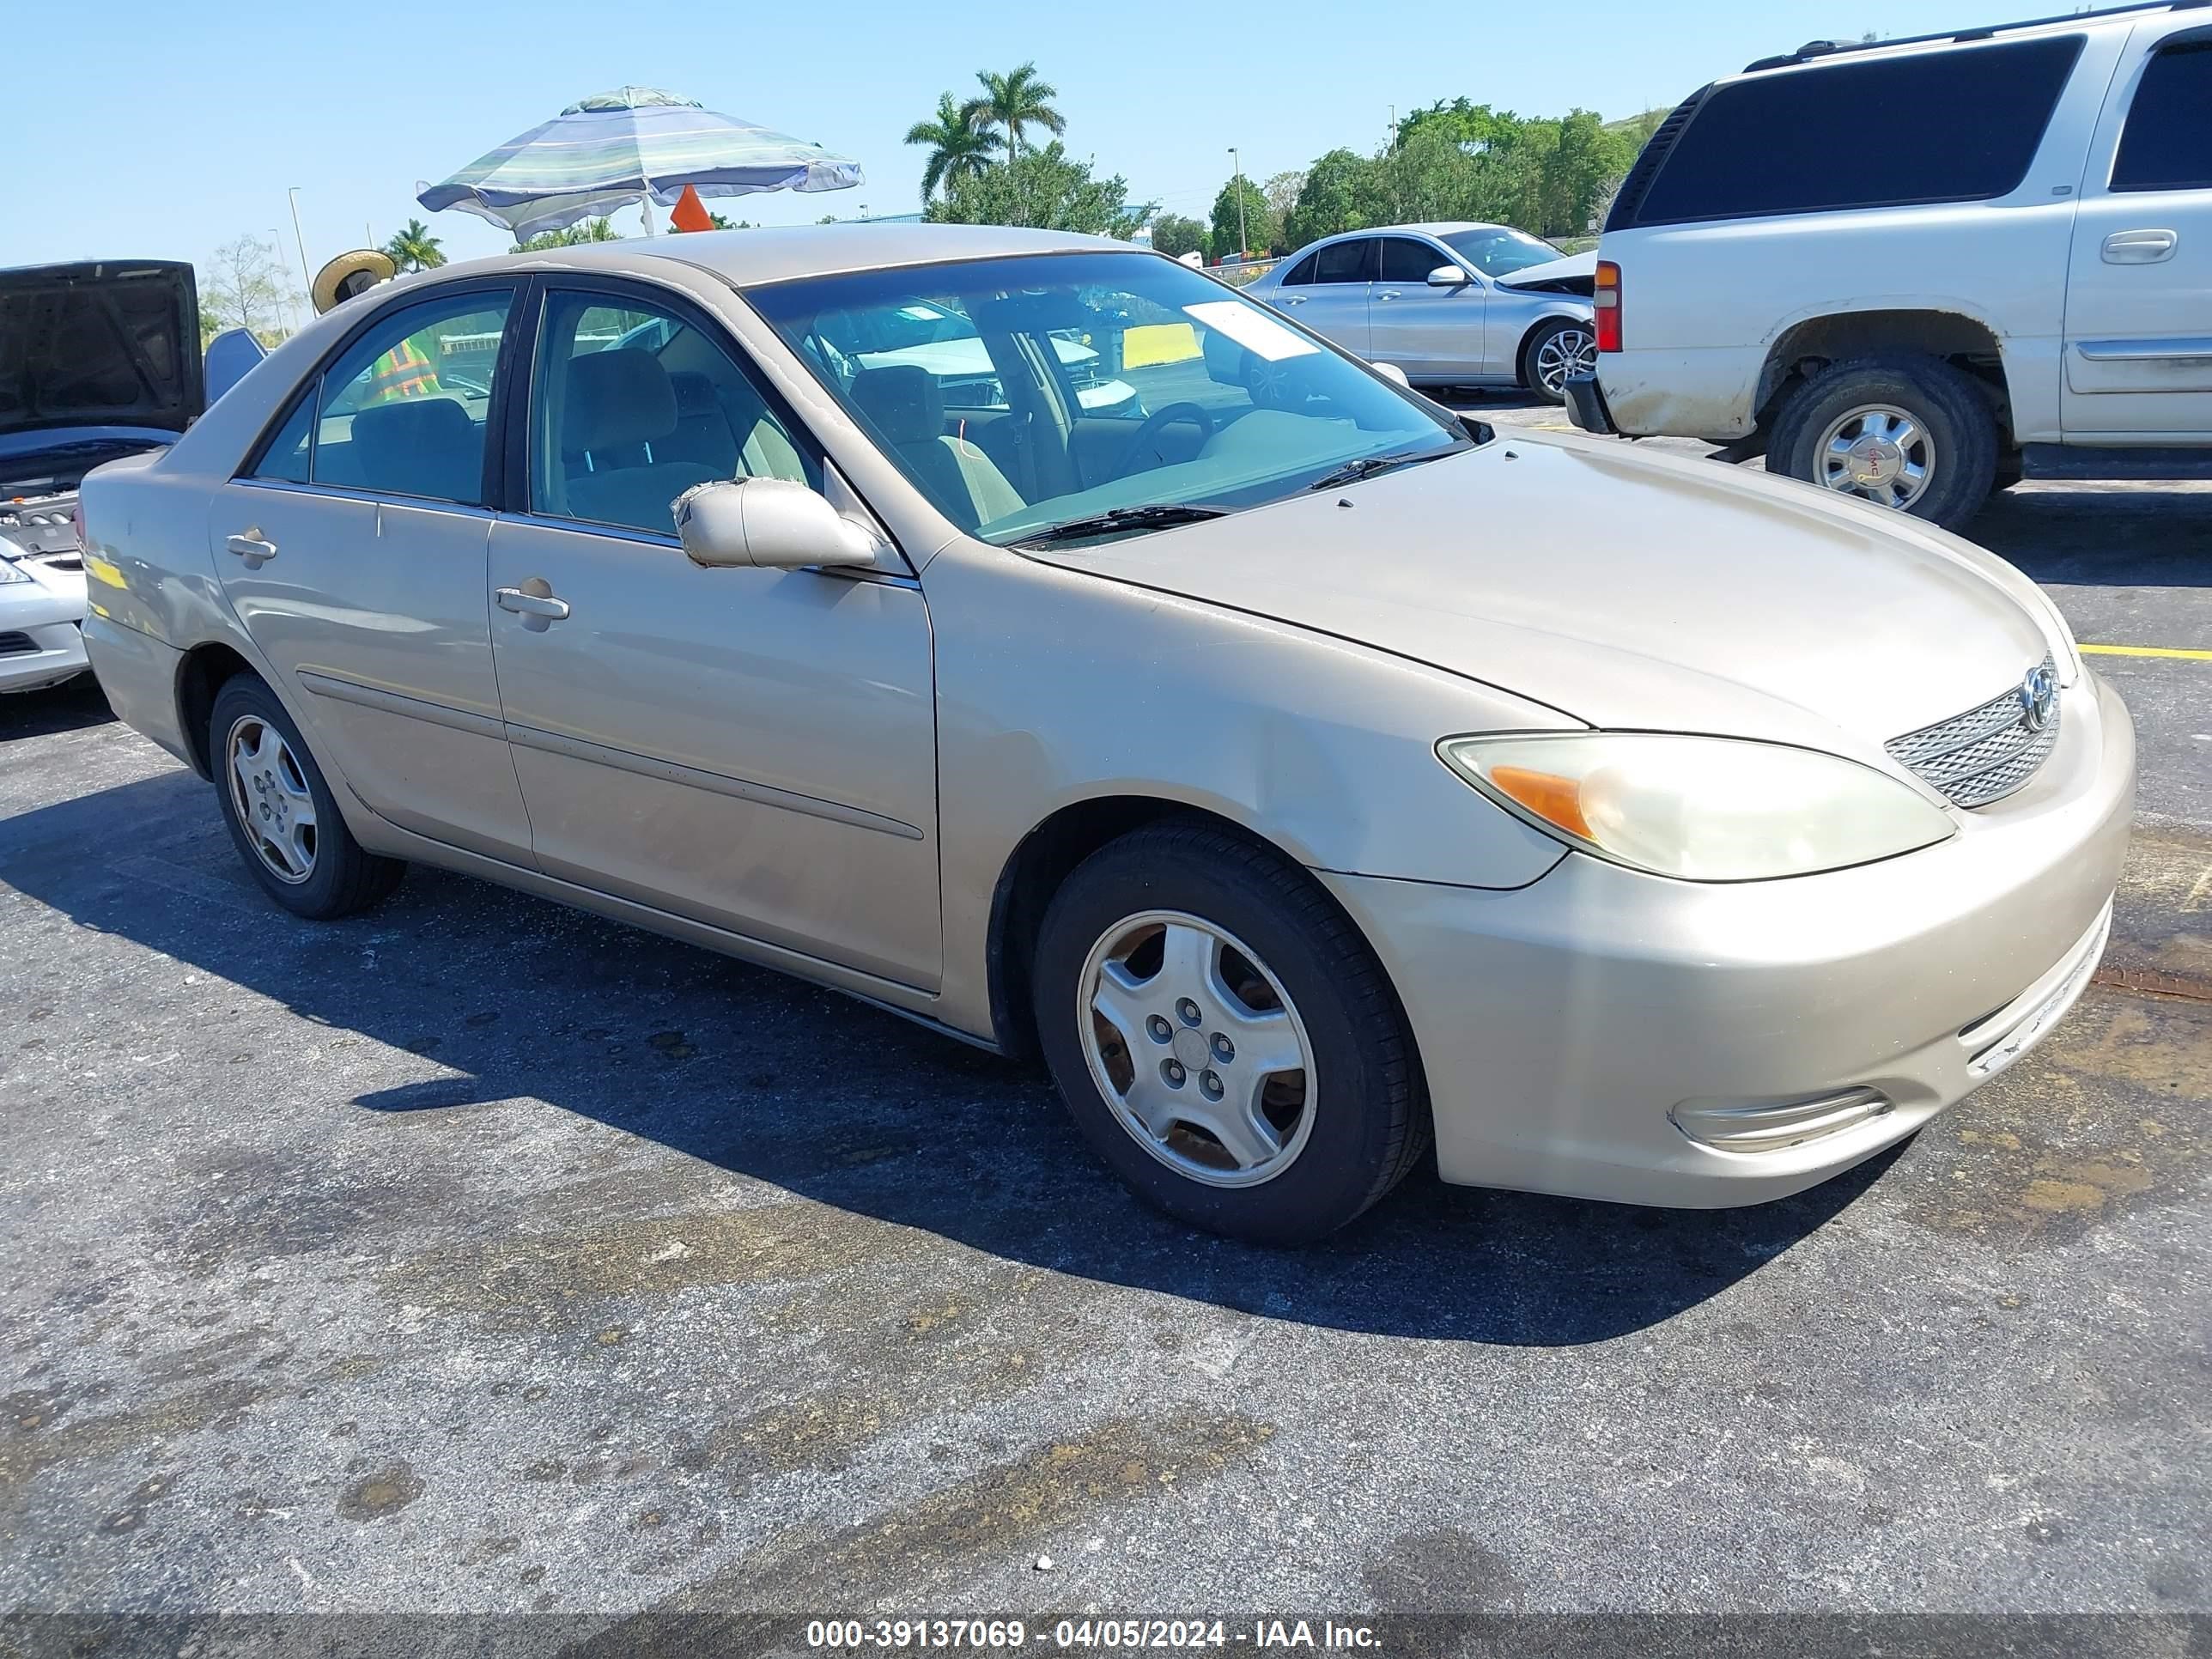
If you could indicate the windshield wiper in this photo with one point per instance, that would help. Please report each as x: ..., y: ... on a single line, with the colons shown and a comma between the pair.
x: 1368, y: 465
x: 1151, y: 515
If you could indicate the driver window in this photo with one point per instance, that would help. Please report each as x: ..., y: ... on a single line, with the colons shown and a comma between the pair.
x: 632, y: 405
x: 1405, y: 260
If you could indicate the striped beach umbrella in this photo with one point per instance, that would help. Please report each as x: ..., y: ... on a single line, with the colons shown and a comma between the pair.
x: 617, y: 148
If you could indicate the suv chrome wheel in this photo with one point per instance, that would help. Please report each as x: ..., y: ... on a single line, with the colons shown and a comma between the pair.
x: 1567, y: 352
x: 1879, y: 453
x: 1197, y: 1048
x: 272, y: 797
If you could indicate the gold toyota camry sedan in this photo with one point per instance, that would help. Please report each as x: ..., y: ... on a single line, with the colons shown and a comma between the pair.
x: 1030, y: 636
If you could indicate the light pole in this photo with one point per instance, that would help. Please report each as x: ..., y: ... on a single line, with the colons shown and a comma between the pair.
x: 307, y: 276
x: 1236, y: 182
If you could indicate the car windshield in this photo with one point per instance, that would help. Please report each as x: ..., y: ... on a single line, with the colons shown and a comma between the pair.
x: 1496, y: 252
x: 1047, y: 390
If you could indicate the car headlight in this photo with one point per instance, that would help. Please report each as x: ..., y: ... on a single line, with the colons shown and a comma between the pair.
x: 1700, y: 808
x: 9, y: 573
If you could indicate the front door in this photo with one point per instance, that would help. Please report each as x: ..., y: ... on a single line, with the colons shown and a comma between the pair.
x: 1427, y: 331
x: 2139, y: 292
x: 353, y: 551
x: 1334, y: 303
x: 751, y: 749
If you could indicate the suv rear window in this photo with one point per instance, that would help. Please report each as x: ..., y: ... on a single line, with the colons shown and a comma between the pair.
x: 1882, y: 131
x: 2168, y: 142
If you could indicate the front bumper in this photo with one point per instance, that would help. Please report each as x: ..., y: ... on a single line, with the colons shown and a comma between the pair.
x: 1586, y: 406
x: 40, y: 643
x: 1569, y: 1028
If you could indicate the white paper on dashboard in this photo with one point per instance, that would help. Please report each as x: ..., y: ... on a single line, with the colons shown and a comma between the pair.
x: 1255, y: 331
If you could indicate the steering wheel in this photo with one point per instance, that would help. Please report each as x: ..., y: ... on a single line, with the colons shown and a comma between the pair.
x: 1158, y: 422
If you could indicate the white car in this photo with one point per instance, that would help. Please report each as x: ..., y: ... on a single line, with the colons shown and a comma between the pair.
x: 1913, y: 270
x: 97, y: 361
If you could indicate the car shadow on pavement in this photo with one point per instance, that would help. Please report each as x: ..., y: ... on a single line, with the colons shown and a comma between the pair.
x: 67, y: 708
x: 2142, y: 535
x: 515, y: 1001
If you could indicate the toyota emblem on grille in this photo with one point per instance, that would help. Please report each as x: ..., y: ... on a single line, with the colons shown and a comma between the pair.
x: 2038, y: 696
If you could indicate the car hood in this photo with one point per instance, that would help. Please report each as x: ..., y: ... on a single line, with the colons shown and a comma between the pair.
x: 1628, y: 592
x: 1575, y: 274
x: 112, y: 343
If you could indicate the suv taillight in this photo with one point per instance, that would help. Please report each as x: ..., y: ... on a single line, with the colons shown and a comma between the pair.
x: 1606, y: 298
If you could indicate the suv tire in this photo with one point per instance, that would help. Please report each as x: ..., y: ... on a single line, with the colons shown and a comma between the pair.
x: 1279, y: 969
x: 1953, y: 428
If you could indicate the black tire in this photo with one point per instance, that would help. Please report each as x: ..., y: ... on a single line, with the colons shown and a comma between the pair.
x: 343, y: 878
x: 1533, y: 344
x: 1371, y: 1126
x: 1946, y: 402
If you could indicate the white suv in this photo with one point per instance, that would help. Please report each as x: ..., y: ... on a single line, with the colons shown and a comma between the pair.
x: 1916, y: 270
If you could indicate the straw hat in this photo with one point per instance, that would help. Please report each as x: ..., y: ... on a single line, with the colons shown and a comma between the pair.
x: 348, y: 275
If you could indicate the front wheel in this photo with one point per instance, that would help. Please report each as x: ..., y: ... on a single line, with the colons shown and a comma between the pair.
x: 1224, y: 1038
x: 1557, y: 351
x: 1913, y: 434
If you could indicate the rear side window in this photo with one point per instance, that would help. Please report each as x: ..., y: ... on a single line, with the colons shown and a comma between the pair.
x: 1346, y: 262
x: 1301, y: 273
x: 1882, y: 131
x: 2168, y: 142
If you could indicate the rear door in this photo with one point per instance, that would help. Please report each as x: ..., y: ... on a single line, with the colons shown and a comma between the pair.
x: 1333, y: 302
x: 1426, y: 332
x: 2139, y: 293
x: 353, y: 547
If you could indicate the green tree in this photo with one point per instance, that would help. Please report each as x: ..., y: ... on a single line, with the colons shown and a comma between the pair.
x: 415, y: 248
x: 1281, y: 189
x: 1257, y: 228
x: 591, y: 230
x: 247, y: 285
x: 959, y: 146
x: 1017, y: 102
x: 1334, y: 196
x: 1175, y: 234
x: 1042, y: 188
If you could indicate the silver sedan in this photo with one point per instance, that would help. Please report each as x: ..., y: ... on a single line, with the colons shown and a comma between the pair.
x: 1455, y: 304
x: 1191, y: 740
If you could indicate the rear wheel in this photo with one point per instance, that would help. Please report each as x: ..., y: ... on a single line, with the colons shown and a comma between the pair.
x: 1224, y: 1038
x: 1913, y: 434
x: 280, y: 812
x: 1561, y: 348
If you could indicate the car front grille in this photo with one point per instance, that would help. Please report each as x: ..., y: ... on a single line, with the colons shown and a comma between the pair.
x: 1983, y: 755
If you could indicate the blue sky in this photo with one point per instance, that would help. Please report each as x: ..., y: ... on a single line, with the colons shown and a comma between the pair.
x: 165, y: 129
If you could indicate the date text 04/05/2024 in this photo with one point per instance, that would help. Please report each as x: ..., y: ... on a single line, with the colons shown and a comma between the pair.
x: 1090, y: 1634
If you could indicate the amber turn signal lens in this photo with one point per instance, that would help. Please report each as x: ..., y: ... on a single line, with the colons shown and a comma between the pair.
x: 1555, y: 800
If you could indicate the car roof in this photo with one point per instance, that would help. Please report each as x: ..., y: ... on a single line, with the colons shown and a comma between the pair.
x: 1819, y: 51
x: 749, y: 258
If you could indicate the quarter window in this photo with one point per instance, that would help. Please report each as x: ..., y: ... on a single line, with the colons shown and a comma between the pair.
x: 632, y: 405
x: 2168, y: 142
x: 1301, y: 273
x: 1884, y: 130
x: 1346, y: 262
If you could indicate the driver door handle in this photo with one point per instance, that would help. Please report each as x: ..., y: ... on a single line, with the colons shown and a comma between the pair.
x: 249, y: 543
x: 542, y: 608
x: 1387, y: 294
x: 2139, y: 247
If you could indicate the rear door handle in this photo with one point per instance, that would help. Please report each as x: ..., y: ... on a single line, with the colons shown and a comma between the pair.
x: 2139, y: 247
x: 1291, y: 300
x: 537, y: 609
x: 250, y: 545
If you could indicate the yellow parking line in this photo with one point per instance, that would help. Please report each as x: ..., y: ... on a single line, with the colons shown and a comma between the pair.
x: 2145, y: 651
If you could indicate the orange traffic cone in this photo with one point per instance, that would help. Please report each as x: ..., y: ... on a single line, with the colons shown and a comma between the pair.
x: 690, y: 212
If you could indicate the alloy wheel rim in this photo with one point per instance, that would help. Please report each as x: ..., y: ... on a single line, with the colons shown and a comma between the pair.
x: 270, y: 791
x: 1878, y: 453
x: 1567, y: 352
x: 1197, y: 1048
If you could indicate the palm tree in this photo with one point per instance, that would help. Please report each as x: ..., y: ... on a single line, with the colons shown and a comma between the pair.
x: 1015, y: 102
x: 958, y: 147
x: 415, y: 248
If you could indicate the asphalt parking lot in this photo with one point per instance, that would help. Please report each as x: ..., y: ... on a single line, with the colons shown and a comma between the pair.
x: 477, y: 1255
